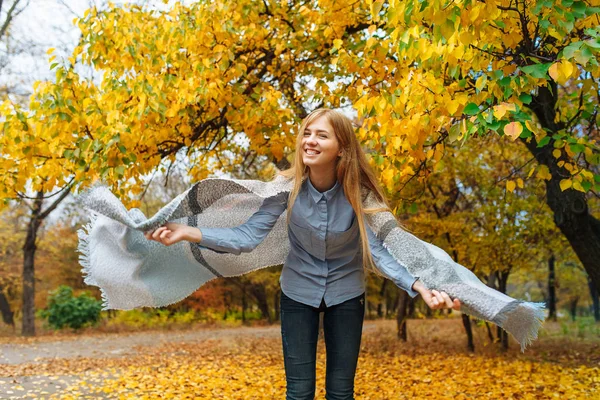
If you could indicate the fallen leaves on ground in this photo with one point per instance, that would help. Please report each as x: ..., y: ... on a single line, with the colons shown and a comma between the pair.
x: 252, y: 368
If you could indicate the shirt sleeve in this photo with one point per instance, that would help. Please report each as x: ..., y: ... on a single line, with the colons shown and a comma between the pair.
x: 388, y: 265
x: 245, y: 237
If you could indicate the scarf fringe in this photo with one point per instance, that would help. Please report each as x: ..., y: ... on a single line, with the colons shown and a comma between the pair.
x: 85, y: 256
x: 522, y: 319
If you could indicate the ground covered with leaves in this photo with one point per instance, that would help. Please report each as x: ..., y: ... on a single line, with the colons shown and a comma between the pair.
x: 433, y: 363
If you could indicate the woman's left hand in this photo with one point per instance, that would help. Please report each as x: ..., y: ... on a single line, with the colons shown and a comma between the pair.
x: 434, y: 299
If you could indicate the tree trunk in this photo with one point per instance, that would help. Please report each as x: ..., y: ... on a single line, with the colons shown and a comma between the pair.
x: 502, y: 278
x: 259, y: 293
x: 402, y: 315
x: 573, y: 308
x: 489, y: 331
x: 244, y: 305
x: 227, y: 306
x: 7, y: 313
x: 29, y: 248
x: 411, y: 307
x: 551, y: 289
x: 390, y: 303
x: 571, y: 213
x: 381, y: 299
x: 595, y: 300
x: 276, y: 303
x: 467, y: 324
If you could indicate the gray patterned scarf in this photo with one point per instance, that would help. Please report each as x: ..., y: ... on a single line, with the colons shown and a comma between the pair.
x: 132, y: 271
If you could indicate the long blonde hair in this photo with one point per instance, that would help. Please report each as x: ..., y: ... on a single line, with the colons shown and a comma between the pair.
x: 353, y: 172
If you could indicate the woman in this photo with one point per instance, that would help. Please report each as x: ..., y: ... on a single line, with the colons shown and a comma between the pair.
x: 324, y: 269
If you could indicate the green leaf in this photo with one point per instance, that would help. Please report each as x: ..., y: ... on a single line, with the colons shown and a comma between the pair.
x: 525, y: 98
x: 586, y: 185
x: 593, y: 44
x: 471, y: 109
x: 577, y: 148
x: 538, y: 71
x: 495, y: 125
x: 120, y: 170
x: 569, y: 51
x: 579, y: 8
x: 504, y: 81
x: 413, y: 208
x: 454, y: 132
x: 544, y: 141
x: 584, y: 55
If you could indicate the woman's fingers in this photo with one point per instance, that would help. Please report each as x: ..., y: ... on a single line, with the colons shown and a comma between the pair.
x: 443, y: 300
x: 447, y: 300
x: 160, y: 234
x: 439, y: 300
x: 164, y: 234
x: 456, y: 304
x: 157, y: 232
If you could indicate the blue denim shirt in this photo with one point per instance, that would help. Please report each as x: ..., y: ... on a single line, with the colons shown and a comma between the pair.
x: 325, y: 259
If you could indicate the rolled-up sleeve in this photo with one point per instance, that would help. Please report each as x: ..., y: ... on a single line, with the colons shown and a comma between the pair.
x: 388, y: 265
x: 246, y: 237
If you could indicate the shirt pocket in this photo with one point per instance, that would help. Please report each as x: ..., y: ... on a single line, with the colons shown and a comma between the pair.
x: 343, y: 241
x: 302, y: 234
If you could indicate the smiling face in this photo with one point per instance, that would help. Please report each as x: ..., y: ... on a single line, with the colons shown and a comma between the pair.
x: 320, y: 147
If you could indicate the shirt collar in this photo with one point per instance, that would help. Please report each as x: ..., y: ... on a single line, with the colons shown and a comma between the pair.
x: 316, y: 195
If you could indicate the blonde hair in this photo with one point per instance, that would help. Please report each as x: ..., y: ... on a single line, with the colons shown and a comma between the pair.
x: 353, y: 172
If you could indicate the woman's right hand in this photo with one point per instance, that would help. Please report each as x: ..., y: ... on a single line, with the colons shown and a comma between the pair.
x: 171, y: 233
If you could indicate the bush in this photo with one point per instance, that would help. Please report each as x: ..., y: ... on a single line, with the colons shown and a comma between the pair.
x: 66, y: 310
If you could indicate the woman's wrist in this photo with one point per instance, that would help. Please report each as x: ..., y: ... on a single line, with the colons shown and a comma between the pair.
x: 194, y: 235
x: 418, y: 286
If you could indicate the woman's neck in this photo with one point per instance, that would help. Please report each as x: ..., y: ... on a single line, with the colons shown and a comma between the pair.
x: 322, y: 180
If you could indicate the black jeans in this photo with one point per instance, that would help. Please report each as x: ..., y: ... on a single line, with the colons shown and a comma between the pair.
x: 342, y: 326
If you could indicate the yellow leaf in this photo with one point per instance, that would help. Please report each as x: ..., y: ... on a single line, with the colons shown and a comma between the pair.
x: 520, y: 183
x: 556, y: 153
x: 50, y: 50
x: 565, y: 184
x: 388, y: 177
x: 513, y: 129
x: 566, y: 68
x: 304, y: 11
x: 480, y: 83
x: 510, y: 186
x: 553, y: 71
x: 577, y: 186
x: 452, y: 106
x: 501, y: 109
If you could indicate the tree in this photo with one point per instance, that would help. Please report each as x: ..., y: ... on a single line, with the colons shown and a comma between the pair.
x: 432, y: 73
x: 30, y: 175
x: 226, y: 83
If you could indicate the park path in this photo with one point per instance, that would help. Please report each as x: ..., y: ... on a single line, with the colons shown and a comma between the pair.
x: 111, y: 345
x: 121, y: 345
